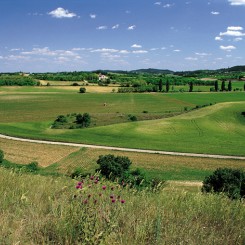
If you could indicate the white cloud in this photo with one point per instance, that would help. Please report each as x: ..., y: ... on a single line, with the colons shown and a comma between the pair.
x: 168, y: 5
x: 237, y: 39
x: 177, y: 50
x: 237, y: 2
x: 218, y: 38
x: 136, y: 46
x: 215, y: 13
x: 190, y: 58
x: 234, y: 28
x: 233, y: 31
x: 227, y: 48
x: 132, y: 27
x: 101, y: 28
x: 15, y: 49
x: 92, y: 16
x: 115, y: 27
x: 124, y: 51
x: 202, y: 54
x: 157, y: 3
x: 104, y: 50
x: 139, y: 52
x: 61, y: 13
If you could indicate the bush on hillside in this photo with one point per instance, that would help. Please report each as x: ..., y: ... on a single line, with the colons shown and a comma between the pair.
x: 82, y: 90
x: 113, y: 166
x: 1, y: 156
x: 226, y: 180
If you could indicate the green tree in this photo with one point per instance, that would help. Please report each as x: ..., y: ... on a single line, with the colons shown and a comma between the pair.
x: 167, y: 86
x: 82, y: 90
x: 229, y: 86
x: 223, y: 85
x: 113, y: 166
x: 1, y: 156
x: 160, y: 85
x: 190, y: 86
x: 226, y: 180
x: 216, y: 86
x: 83, y: 119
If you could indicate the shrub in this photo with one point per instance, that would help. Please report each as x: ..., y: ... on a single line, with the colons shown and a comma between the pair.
x: 61, y: 119
x: 32, y: 167
x: 225, y: 180
x: 113, y: 166
x: 75, y: 84
x: 132, y: 118
x: 82, y: 90
x: 1, y: 156
x: 83, y: 119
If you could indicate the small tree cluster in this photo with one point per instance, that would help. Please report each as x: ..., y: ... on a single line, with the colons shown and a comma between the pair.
x: 83, y: 119
x: 82, y: 90
x: 226, y: 180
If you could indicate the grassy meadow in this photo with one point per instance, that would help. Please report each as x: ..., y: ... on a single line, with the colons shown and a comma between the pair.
x: 50, y: 210
x: 217, y: 129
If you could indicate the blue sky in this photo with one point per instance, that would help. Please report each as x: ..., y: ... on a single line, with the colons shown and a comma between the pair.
x: 69, y: 35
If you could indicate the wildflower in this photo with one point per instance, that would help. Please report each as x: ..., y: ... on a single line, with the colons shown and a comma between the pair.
x: 79, y: 187
x: 122, y: 201
x: 92, y: 177
x: 103, y: 187
x: 113, y: 200
x: 111, y: 196
x: 79, y: 183
x: 96, y: 181
x: 85, y: 201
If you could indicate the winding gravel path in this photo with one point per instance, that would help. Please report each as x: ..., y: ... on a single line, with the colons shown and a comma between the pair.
x: 122, y: 149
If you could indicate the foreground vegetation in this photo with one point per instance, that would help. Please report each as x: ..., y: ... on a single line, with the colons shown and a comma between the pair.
x: 51, y: 210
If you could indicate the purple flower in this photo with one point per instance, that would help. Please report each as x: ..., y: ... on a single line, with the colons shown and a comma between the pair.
x: 122, y: 201
x: 92, y: 177
x: 111, y: 196
x: 79, y: 183
x: 113, y: 200
x: 103, y: 187
x: 85, y: 201
x: 96, y: 181
x: 79, y: 186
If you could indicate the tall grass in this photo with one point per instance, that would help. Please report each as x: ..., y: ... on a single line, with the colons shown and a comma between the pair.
x: 51, y: 210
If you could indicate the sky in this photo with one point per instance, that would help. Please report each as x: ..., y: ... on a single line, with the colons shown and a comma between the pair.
x: 86, y: 35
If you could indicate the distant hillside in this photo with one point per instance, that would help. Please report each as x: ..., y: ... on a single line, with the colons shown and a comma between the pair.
x: 152, y: 71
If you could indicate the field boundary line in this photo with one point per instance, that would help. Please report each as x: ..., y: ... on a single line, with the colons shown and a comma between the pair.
x: 172, y: 153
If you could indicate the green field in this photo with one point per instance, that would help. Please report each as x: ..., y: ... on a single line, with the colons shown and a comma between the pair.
x: 215, y: 129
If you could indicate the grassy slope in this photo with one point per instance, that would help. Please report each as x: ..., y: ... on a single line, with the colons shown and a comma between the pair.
x: 43, y: 210
x: 218, y: 129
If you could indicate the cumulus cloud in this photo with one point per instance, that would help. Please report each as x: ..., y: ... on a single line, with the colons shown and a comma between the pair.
x: 105, y: 50
x: 101, y: 28
x: 115, y: 27
x: 131, y: 27
x: 235, y: 31
x: 136, y: 46
x: 92, y: 16
x: 157, y: 3
x: 168, y: 5
x: 139, y: 51
x: 237, y: 2
x: 237, y: 39
x: 124, y: 51
x: 218, y: 39
x: 62, y: 13
x: 215, y: 13
x: 227, y: 48
x: 177, y: 50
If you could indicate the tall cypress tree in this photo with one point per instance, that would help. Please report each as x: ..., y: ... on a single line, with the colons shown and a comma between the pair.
x: 191, y: 87
x: 160, y: 85
x: 216, y: 86
x: 167, y: 86
x: 229, y: 86
x: 223, y: 85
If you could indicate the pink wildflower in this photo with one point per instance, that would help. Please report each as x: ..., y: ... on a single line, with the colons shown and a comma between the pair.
x: 103, y: 187
x: 122, y: 201
x: 113, y: 200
